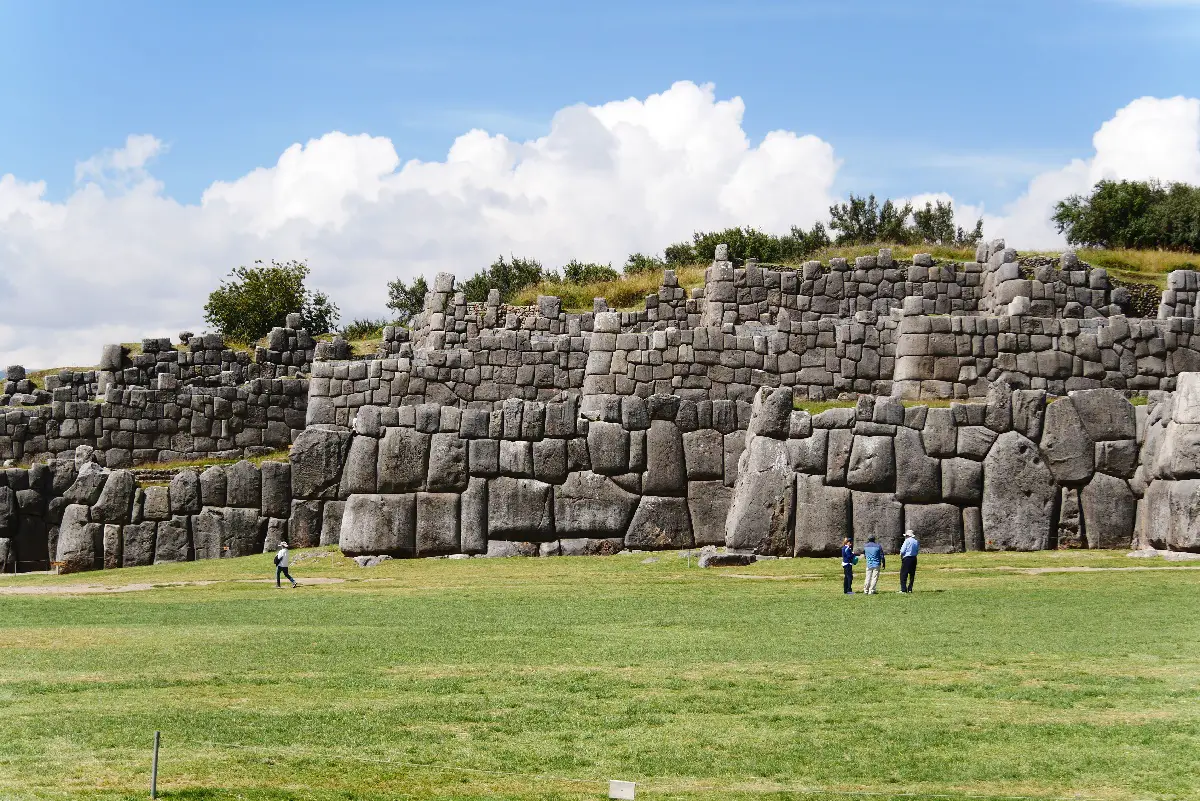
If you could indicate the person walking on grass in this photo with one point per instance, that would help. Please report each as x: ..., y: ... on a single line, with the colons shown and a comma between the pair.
x: 848, y: 560
x: 908, y: 561
x: 875, y: 562
x: 282, y: 560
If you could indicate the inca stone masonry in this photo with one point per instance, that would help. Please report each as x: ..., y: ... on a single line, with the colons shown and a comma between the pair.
x: 499, y: 430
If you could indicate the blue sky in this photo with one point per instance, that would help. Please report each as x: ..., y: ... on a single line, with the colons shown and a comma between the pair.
x: 970, y: 98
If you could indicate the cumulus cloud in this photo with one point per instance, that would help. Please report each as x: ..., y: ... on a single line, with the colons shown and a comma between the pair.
x: 119, y: 259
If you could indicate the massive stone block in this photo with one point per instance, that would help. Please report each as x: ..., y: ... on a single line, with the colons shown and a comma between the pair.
x: 704, y: 454
x: 1183, y: 533
x: 1069, y: 451
x: 332, y: 513
x: 771, y: 415
x: 822, y: 517
x: 437, y: 523
x: 317, y: 457
x: 608, y: 448
x: 226, y: 532
x: 761, y: 508
x: 878, y: 515
x: 359, y: 473
x: 665, y: 471
x: 379, y: 524
x: 304, y: 524
x: 840, y: 442
x: 1109, y: 509
x: 974, y: 442
x: 116, y: 500
x: 1105, y: 413
x: 243, y: 486
x: 173, y: 541
x: 591, y: 505
x: 156, y: 503
x: 403, y: 458
x: 447, y: 464
x: 708, y: 502
x: 962, y: 481
x: 1019, y: 495
x: 938, y: 526
x: 917, y: 475
x: 137, y: 547
x: 276, y: 489
x: 940, y: 433
x: 214, y: 487
x: 1029, y: 409
x: 473, y: 517
x: 872, y: 464
x: 550, y: 460
x: 88, y: 485
x: 660, y: 523
x: 520, y: 509
x: 80, y: 542
x: 185, y: 493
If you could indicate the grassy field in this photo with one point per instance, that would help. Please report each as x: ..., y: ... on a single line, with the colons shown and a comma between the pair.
x: 1004, y: 675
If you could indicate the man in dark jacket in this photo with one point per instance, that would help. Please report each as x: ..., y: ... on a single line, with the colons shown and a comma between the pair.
x: 847, y: 567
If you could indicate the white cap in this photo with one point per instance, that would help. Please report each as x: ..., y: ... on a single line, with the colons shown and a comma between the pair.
x: 283, y: 544
x: 910, y: 534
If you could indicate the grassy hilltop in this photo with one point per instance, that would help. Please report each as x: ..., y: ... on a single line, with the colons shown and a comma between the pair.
x: 996, y: 679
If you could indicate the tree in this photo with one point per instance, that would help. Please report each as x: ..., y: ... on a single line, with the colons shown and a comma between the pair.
x: 256, y: 299
x: 639, y: 263
x: 861, y: 221
x: 510, y: 277
x: 577, y: 272
x: 1133, y: 214
x: 407, y: 301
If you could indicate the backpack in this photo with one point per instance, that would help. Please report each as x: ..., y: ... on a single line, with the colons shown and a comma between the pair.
x: 276, y: 560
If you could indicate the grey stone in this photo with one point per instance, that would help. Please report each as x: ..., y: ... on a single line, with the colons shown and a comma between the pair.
x: 1183, y: 532
x: 940, y: 435
x: 503, y: 549
x: 473, y: 517
x: 962, y: 481
x: 1068, y: 450
x: 771, y: 415
x: 999, y: 411
x: 520, y: 509
x: 317, y: 457
x: 156, y: 503
x: 304, y: 524
x: 872, y: 464
x: 917, y: 475
x: 80, y: 542
x: 243, y: 486
x: 137, y: 546
x: 660, y: 523
x: 807, y: 455
x: 276, y: 489
x: 761, y: 507
x: 822, y: 517
x: 437, y: 523
x: 332, y: 513
x: 219, y: 532
x: 973, y: 539
x: 185, y: 494
x: 277, y: 532
x: 704, y: 454
x: 213, y: 487
x: 715, y: 559
x: 379, y: 524
x: 112, y: 545
x: 1186, y: 406
x: 173, y: 541
x: 403, y: 458
x: 938, y: 526
x: 1108, y: 507
x: 735, y: 443
x: 116, y: 501
x: 665, y: 471
x: 878, y: 515
x: 483, y: 457
x: 1105, y: 414
x: 1018, y: 496
x: 608, y: 448
x: 837, y: 451
x: 974, y: 442
x: 550, y: 460
x: 516, y: 458
x: 359, y: 471
x: 1029, y: 408
x: 447, y: 463
x: 708, y: 502
x: 1117, y: 458
x: 591, y: 505
x: 88, y: 485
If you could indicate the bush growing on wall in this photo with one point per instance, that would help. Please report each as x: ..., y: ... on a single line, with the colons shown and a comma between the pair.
x: 407, y: 301
x: 1133, y: 214
x: 256, y: 299
x: 510, y: 277
x: 577, y: 272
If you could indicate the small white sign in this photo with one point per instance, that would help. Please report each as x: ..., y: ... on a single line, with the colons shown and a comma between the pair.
x: 620, y: 789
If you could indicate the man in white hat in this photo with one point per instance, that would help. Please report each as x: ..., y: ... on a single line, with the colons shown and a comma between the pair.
x: 282, y: 561
x: 908, y: 561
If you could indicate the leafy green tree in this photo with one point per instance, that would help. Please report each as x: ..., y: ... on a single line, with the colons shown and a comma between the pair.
x: 861, y: 221
x: 510, y: 277
x: 639, y: 263
x: 577, y: 272
x: 256, y: 299
x: 407, y: 301
x: 1133, y: 214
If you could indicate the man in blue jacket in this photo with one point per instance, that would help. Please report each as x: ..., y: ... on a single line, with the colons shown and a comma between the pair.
x: 847, y: 567
x: 908, y: 561
x: 875, y: 562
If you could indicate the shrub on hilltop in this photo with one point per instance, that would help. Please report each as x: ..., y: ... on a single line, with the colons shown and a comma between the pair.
x: 256, y: 299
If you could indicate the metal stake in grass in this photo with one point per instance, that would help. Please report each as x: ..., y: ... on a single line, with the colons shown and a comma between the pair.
x: 154, y: 768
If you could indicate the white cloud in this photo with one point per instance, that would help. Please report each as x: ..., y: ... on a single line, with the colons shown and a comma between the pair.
x: 119, y: 259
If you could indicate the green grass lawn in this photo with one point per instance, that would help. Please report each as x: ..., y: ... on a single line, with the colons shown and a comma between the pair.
x: 761, y: 682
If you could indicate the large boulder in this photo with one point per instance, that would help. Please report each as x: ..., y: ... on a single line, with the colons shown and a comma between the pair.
x: 173, y: 541
x: 665, y: 470
x: 317, y: 457
x: 703, y: 454
x: 214, y: 487
x: 447, y: 464
x: 137, y: 546
x: 1105, y: 413
x: 243, y: 487
x: 550, y: 460
x: 437, y: 523
x: 185, y: 493
x: 1018, y: 496
x: 379, y: 524
x: 708, y: 502
x: 88, y: 484
x: 276, y: 489
x: 917, y: 475
x: 940, y: 434
x: 761, y: 508
x: 116, y: 500
x: 520, y: 509
x: 80, y: 541
x: 359, y: 472
x: 771, y: 413
x: 878, y: 515
x: 156, y: 503
x: 1068, y: 449
x: 1183, y: 532
x: 608, y: 448
x: 1028, y: 413
x: 822, y: 517
x: 304, y: 524
x: 807, y: 455
x: 872, y: 464
x: 660, y: 523
x: 591, y: 505
x: 1109, y: 508
x: 837, y: 452
x: 962, y: 481
x: 403, y: 460
x: 473, y: 517
x: 223, y: 531
x: 938, y: 526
